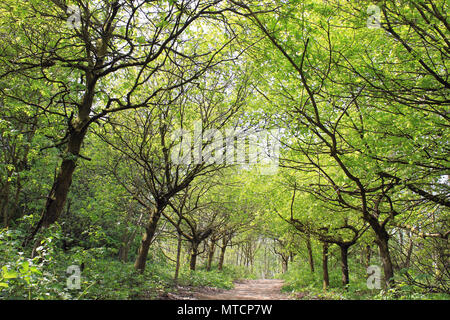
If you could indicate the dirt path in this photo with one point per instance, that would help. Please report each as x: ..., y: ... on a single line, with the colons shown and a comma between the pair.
x: 263, y: 289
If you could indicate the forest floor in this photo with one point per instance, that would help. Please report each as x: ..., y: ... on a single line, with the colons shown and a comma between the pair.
x: 263, y: 289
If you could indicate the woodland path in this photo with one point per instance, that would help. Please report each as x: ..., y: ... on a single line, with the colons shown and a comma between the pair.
x: 263, y: 289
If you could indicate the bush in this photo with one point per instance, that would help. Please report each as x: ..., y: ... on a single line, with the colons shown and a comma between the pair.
x: 26, y: 278
x: 299, y: 279
x: 217, y: 279
x: 102, y: 276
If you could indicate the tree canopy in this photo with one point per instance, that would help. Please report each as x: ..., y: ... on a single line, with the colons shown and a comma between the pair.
x: 152, y: 144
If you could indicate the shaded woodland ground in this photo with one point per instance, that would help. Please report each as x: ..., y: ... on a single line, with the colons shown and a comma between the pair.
x: 243, y: 290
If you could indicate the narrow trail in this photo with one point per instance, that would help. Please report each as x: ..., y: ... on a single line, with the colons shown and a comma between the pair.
x: 263, y: 289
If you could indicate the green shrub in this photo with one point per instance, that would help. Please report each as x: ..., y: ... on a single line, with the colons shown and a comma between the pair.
x: 26, y: 278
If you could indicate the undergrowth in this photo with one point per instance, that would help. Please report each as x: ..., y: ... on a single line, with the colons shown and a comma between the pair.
x: 103, y: 277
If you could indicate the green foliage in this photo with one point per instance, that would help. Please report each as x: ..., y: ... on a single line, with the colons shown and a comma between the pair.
x: 365, y: 143
x: 205, y: 278
x: 45, y: 277
x: 223, y: 279
x: 24, y: 278
x: 304, y: 284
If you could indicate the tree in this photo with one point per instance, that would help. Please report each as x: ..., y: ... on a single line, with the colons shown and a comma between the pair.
x: 148, y: 141
x: 198, y: 217
x: 331, y: 124
x: 17, y: 130
x: 109, y: 56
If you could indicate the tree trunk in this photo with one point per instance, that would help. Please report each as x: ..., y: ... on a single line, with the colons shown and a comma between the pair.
x: 18, y: 191
x: 221, y: 258
x: 409, y: 251
x: 147, y: 238
x: 212, y: 249
x: 4, y: 203
x: 128, y: 239
x: 368, y: 255
x: 58, y: 194
x: 76, y: 132
x: 222, y: 254
x: 177, y: 267
x: 310, y: 253
x: 194, y: 254
x: 252, y: 259
x: 382, y: 242
x: 326, y: 278
x: 285, y: 262
x: 266, y: 265
x: 124, y: 249
x: 344, y: 265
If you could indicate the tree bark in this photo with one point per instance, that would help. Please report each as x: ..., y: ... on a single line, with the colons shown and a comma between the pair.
x: 194, y: 254
x: 126, y: 246
x: 212, y: 249
x: 310, y: 253
x: 177, y: 267
x: 221, y: 258
x: 344, y: 265
x: 58, y: 193
x: 128, y: 238
x: 368, y: 255
x: 76, y: 133
x: 382, y: 239
x: 285, y: 262
x: 409, y: 251
x: 222, y: 254
x: 4, y: 203
x: 266, y: 264
x: 124, y: 250
x: 326, y: 278
x: 147, y: 238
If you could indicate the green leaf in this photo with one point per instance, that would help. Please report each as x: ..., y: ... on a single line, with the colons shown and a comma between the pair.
x: 25, y: 267
x: 8, y: 274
